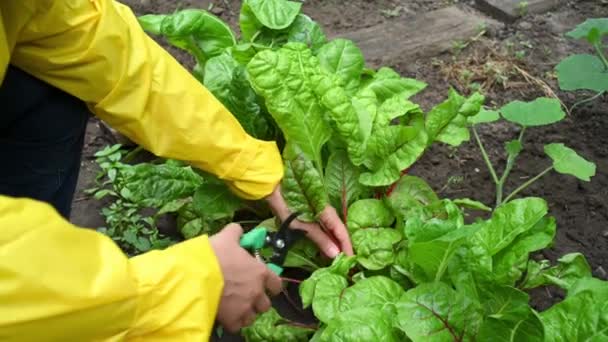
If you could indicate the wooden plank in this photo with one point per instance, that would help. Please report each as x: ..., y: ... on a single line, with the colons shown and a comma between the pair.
x: 511, y: 10
x: 423, y: 36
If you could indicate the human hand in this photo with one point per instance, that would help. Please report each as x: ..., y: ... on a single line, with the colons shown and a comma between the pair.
x: 245, y: 281
x: 330, y: 233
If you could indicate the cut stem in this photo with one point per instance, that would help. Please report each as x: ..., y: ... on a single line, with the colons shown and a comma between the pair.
x: 528, y: 183
x: 485, y: 156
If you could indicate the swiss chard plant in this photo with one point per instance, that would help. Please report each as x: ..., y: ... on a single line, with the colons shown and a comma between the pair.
x: 587, y: 71
x: 348, y: 135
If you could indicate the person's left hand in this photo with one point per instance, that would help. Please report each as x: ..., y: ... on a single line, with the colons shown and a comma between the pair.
x: 330, y: 233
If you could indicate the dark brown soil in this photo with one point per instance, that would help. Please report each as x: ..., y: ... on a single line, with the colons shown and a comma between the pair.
x: 581, y: 208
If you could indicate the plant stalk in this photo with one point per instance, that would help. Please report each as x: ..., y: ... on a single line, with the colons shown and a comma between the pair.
x: 592, y: 98
x: 485, y: 156
x: 600, y: 53
x: 510, y: 163
x: 528, y: 183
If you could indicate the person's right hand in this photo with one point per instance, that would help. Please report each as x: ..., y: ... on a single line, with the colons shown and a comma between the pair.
x: 246, y: 280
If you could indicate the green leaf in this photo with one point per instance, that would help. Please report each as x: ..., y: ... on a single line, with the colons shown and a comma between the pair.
x: 582, y: 316
x: 274, y: 14
x: 567, y: 161
x: 387, y: 83
x: 376, y: 292
x: 228, y: 82
x: 582, y: 72
x: 541, y: 111
x: 281, y: 77
x: 387, y: 170
x: 529, y: 328
x: 435, y: 312
x: 192, y: 228
x: 344, y: 59
x: 584, y: 29
x: 326, y: 301
x: 376, y: 247
x: 432, y: 244
x: 215, y: 201
x: 248, y: 23
x: 196, y: 31
x: 508, y: 222
x: 409, y: 194
x: 151, y: 23
x: 173, y: 206
x: 362, y: 324
x: 447, y: 122
x: 303, y: 254
x: 302, y: 186
x: 393, y: 108
x: 509, y: 263
x: 340, y: 266
x: 151, y: 185
x: 342, y: 181
x: 271, y: 327
x: 365, y: 104
x: 569, y: 269
x: 307, y: 31
x: 471, y: 204
x: 513, y: 148
x: 368, y: 213
x: 504, y: 303
x: 484, y: 116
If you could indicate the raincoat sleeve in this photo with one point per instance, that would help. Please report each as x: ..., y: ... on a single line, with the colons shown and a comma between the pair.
x: 59, y: 283
x: 97, y: 51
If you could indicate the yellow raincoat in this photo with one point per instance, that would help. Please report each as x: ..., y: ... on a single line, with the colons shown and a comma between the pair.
x: 64, y: 284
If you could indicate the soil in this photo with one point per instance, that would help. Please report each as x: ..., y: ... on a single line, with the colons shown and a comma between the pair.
x: 580, y: 208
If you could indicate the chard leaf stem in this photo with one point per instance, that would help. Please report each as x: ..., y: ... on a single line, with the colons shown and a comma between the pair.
x: 528, y: 183
x: 507, y: 171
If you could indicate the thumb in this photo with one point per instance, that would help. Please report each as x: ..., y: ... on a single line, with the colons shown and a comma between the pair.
x: 233, y: 232
x: 324, y: 242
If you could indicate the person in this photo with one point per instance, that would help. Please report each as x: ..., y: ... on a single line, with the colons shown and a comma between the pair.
x: 59, y: 61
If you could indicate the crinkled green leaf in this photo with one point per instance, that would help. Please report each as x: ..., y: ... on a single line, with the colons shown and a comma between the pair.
x: 471, y: 204
x: 282, y: 78
x: 307, y: 31
x: 508, y: 222
x: 503, y: 303
x: 386, y: 141
x: 274, y: 14
x: 228, y: 82
x: 153, y: 185
x: 447, y: 122
x: 376, y: 247
x: 582, y: 316
x: 326, y: 301
x: 368, y: 213
x: 431, y: 244
x: 213, y: 201
x: 362, y: 324
x: 435, y: 312
x: 344, y: 116
x: 248, y: 23
x: 173, y: 206
x: 366, y: 107
x: 376, y: 292
x: 455, y: 133
x: 409, y: 194
x: 387, y: 170
x: 584, y: 29
x: 567, y: 161
x: 303, y: 187
x: 196, y: 31
x: 192, y: 228
x: 393, y: 108
x: 344, y: 59
x: 528, y: 328
x: 582, y: 72
x: 510, y: 262
x: 484, y: 116
x: 340, y: 266
x: 569, y: 269
x: 342, y: 181
x: 271, y: 327
x: 541, y: 111
x: 387, y: 83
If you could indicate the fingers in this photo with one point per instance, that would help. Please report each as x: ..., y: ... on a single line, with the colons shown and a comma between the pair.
x: 273, y: 283
x: 263, y: 304
x: 233, y: 231
x: 324, y: 242
x: 330, y: 220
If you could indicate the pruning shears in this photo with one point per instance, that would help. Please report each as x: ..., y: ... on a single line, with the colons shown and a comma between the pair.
x: 279, y: 241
